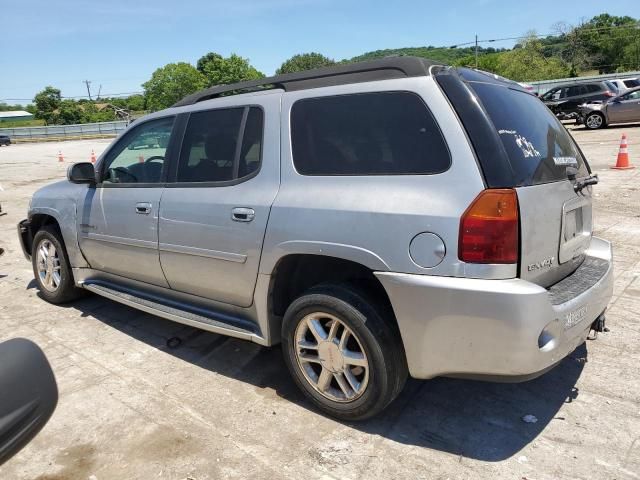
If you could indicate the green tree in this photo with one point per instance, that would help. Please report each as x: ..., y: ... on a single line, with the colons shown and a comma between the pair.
x: 68, y: 112
x: 525, y: 63
x: 610, y: 41
x: 47, y: 102
x: 304, y: 61
x: 91, y: 113
x: 170, y: 83
x: 528, y: 63
x: 223, y: 71
x: 208, y: 58
x: 135, y: 103
x: 5, y: 107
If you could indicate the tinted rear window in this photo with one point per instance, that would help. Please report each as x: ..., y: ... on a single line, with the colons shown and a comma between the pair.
x: 632, y: 83
x: 382, y: 133
x: 210, y: 150
x: 537, y: 144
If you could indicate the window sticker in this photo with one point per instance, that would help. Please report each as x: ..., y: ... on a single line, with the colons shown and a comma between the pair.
x: 561, y: 161
x: 528, y: 150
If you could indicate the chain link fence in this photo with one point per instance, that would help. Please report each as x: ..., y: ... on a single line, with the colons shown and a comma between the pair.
x: 64, y: 132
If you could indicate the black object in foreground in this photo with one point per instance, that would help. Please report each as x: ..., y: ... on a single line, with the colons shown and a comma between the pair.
x: 28, y: 394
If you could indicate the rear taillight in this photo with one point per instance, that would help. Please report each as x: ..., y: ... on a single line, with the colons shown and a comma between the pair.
x: 489, y: 228
x: 609, y: 94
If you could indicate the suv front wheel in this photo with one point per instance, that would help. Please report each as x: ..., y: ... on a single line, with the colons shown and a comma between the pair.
x: 51, y: 267
x: 343, y: 353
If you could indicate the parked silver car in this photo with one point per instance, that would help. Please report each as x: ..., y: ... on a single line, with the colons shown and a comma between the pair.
x: 380, y: 219
x: 620, y: 109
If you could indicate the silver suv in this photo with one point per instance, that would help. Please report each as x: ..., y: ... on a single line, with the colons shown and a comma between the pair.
x: 381, y: 219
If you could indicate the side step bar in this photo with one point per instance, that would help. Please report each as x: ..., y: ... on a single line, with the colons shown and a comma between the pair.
x: 223, y: 325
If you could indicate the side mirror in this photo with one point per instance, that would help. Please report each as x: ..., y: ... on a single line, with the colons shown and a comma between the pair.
x: 82, y: 172
x: 29, y: 394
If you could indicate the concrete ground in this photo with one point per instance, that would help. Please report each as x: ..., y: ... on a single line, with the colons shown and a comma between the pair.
x: 130, y: 407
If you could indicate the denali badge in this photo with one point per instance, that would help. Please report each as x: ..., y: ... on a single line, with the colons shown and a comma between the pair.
x: 561, y: 161
x: 546, y: 263
x: 575, y: 317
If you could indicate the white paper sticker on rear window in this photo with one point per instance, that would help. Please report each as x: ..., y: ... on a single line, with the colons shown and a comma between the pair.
x: 527, y: 148
x: 565, y: 161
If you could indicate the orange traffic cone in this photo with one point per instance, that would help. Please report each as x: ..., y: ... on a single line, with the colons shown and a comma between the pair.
x: 623, y: 155
x: 93, y: 156
x: 140, y: 158
x: 60, y: 157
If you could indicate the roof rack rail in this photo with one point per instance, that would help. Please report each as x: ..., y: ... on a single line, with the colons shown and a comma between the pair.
x: 382, y: 69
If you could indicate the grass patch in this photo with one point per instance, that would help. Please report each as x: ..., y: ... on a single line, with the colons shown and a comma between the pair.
x: 22, y: 123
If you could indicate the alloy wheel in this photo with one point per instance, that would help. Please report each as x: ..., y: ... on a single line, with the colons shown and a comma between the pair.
x: 594, y: 121
x: 331, y: 357
x: 49, y: 267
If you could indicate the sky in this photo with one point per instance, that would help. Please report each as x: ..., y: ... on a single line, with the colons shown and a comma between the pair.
x: 118, y: 44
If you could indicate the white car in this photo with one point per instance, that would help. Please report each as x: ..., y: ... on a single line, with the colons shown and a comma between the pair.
x: 624, y: 84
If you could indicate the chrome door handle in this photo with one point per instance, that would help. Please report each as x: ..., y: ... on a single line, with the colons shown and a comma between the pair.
x: 143, y: 208
x: 240, y: 214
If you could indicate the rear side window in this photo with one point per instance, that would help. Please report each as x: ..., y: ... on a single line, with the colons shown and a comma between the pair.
x: 632, y: 83
x: 538, y: 146
x: 382, y: 133
x: 221, y: 145
x: 611, y: 86
x: 575, y: 91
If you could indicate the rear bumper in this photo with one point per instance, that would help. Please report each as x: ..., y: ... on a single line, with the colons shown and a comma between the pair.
x: 502, y: 329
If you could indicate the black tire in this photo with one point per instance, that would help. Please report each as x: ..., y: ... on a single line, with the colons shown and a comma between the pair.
x: 66, y: 289
x: 377, y: 335
x: 594, y: 125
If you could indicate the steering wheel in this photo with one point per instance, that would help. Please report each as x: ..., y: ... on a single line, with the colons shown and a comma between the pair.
x: 154, y: 158
x: 123, y: 171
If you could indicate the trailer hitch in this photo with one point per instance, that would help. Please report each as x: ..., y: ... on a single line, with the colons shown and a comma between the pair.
x: 597, y: 326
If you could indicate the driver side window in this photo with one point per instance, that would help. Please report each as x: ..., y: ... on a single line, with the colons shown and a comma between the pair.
x: 139, y: 157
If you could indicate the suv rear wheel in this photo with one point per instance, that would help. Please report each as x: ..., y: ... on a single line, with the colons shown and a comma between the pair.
x: 342, y: 352
x: 594, y: 121
x: 51, y: 267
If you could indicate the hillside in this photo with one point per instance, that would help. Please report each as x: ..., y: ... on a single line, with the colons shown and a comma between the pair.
x: 442, y: 54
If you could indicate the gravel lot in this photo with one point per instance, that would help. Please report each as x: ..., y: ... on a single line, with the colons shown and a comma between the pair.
x: 130, y: 407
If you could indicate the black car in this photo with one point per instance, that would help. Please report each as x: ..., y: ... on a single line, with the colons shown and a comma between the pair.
x: 5, y: 140
x: 564, y: 100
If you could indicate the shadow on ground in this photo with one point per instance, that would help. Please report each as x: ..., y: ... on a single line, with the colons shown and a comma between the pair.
x: 478, y: 420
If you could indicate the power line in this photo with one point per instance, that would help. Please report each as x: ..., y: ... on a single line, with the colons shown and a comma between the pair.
x: 121, y: 94
x: 536, y: 35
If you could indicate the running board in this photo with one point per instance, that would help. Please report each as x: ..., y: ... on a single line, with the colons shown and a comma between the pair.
x: 222, y: 325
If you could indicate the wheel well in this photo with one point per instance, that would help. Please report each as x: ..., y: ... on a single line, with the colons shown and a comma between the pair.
x: 36, y: 222
x: 294, y: 274
x: 40, y: 220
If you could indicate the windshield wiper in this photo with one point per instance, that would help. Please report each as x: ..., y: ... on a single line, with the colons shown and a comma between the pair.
x: 580, y: 184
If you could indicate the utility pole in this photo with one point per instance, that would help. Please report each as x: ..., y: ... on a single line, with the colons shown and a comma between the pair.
x: 476, y: 51
x: 99, y: 90
x: 88, y: 82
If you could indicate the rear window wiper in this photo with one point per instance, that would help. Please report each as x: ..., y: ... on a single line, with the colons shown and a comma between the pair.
x: 584, y: 182
x: 590, y: 180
